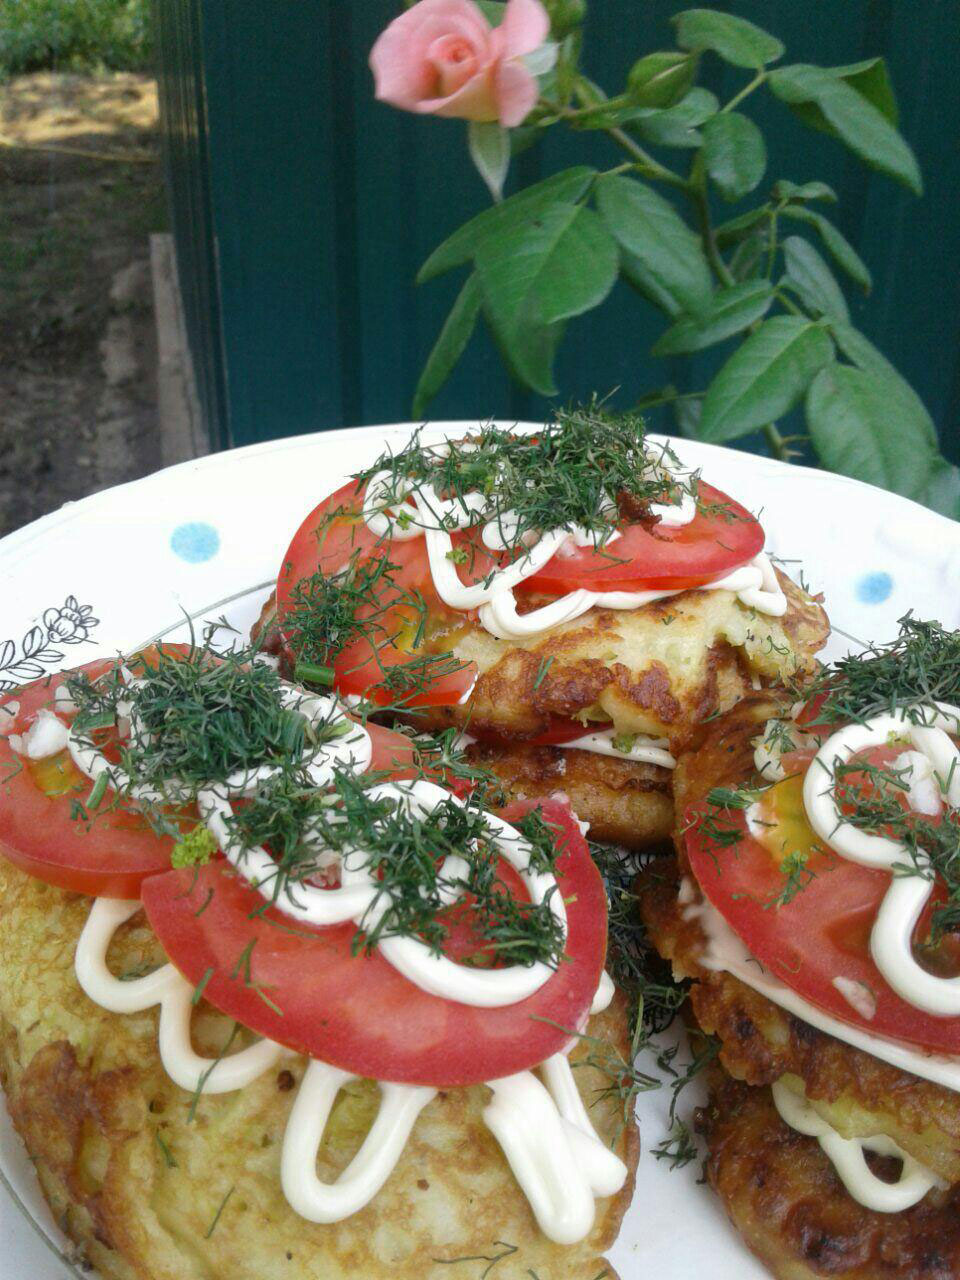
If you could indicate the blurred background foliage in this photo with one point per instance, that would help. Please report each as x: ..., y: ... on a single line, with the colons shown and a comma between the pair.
x: 83, y: 35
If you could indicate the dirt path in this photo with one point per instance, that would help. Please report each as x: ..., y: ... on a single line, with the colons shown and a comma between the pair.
x: 80, y: 192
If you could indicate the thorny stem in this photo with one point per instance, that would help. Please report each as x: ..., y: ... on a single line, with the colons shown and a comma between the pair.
x: 778, y: 445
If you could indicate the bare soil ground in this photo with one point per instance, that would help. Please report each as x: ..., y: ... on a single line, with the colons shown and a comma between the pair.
x: 80, y: 191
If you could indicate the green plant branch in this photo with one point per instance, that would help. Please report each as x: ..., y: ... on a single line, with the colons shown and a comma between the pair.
x: 778, y: 444
x: 697, y: 190
x: 645, y: 162
x: 789, y: 304
x: 745, y: 92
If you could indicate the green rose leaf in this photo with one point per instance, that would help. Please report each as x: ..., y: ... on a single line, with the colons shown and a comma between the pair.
x: 734, y: 153
x: 647, y: 285
x: 489, y: 146
x: 677, y: 126
x: 731, y: 311
x: 741, y: 227
x: 851, y: 117
x: 449, y: 347
x: 812, y: 280
x: 549, y: 267
x: 764, y: 378
x: 661, y: 79
x: 836, y: 243
x: 563, y: 188
x: 855, y: 432
x: 735, y: 39
x: 787, y: 190
x: 650, y: 229
x: 901, y: 398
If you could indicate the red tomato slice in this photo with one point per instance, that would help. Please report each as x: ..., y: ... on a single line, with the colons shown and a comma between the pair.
x: 111, y: 856
x: 304, y: 988
x: 823, y: 932
x: 659, y: 557
x: 326, y: 546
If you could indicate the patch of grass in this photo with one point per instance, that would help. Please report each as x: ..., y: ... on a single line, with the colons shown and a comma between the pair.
x: 74, y: 35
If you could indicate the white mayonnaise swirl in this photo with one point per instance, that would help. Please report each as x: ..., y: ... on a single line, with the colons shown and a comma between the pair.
x: 558, y: 1159
x: 847, y: 1157
x: 937, y: 782
x: 167, y: 988
x: 725, y: 951
x: 435, y: 518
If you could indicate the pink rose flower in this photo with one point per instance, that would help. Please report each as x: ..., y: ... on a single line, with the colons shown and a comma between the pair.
x: 443, y: 58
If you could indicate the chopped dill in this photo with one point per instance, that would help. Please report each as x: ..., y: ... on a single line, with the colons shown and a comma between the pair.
x: 921, y: 666
x: 216, y: 1217
x: 588, y: 469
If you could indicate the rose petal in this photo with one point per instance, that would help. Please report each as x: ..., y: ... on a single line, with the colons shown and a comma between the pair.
x: 455, y: 63
x: 403, y: 74
x: 516, y: 93
x: 476, y: 100
x: 525, y: 26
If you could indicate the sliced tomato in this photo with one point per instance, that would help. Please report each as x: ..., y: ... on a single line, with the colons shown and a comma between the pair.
x: 324, y: 544
x: 659, y: 557
x: 304, y: 988
x: 109, y: 855
x: 823, y: 932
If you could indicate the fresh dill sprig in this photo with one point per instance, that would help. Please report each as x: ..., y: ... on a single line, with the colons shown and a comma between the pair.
x: 871, y: 798
x: 589, y: 468
x: 309, y: 832
x: 920, y: 667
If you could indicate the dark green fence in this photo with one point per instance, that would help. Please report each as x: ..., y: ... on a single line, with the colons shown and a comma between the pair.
x: 302, y: 209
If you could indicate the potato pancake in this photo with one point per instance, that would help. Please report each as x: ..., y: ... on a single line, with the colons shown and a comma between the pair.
x: 626, y: 803
x: 783, y: 1196
x: 156, y: 1185
x: 660, y: 669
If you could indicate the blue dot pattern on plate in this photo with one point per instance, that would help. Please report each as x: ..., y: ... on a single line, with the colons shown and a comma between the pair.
x: 195, y: 542
x: 874, y: 588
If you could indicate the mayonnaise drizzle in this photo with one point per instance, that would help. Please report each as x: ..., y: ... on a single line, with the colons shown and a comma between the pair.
x: 725, y: 951
x: 558, y: 1159
x: 168, y: 989
x: 847, y: 1157
x: 359, y: 896
x: 643, y: 749
x: 552, y: 1148
x: 912, y: 879
x: 754, y: 583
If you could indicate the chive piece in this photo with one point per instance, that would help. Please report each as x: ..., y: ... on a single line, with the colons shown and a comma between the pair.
x: 97, y: 791
x: 311, y: 673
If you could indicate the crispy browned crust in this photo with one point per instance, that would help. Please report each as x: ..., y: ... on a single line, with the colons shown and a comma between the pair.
x: 720, y: 752
x: 625, y: 803
x: 137, y: 1184
x: 761, y: 1042
x: 606, y: 665
x: 784, y: 1198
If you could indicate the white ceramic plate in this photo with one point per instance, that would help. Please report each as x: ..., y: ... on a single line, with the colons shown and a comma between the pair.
x: 205, y: 538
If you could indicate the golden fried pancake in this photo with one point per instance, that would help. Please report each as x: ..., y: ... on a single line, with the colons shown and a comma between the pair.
x: 856, y: 1093
x: 150, y: 1194
x: 626, y: 803
x: 660, y: 669
x: 783, y: 1196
